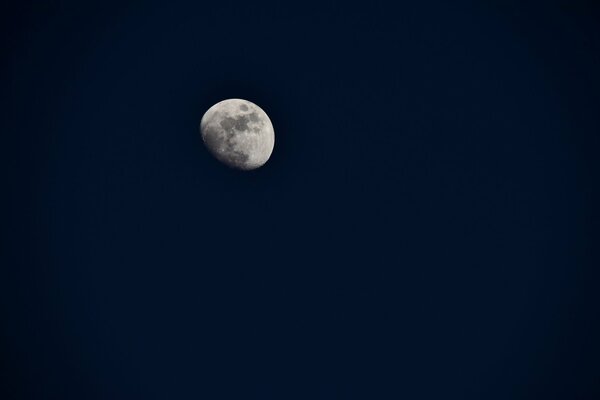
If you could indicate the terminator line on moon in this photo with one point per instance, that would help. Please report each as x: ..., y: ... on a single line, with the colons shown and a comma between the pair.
x: 238, y: 133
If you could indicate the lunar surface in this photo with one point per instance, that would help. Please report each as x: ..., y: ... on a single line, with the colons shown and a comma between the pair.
x: 238, y: 133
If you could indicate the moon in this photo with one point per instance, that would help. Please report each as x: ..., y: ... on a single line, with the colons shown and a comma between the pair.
x: 238, y: 133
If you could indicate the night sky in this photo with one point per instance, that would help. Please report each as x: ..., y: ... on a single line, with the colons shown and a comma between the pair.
x: 426, y: 227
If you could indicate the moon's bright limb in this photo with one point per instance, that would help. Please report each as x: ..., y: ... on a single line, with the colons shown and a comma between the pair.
x: 238, y: 133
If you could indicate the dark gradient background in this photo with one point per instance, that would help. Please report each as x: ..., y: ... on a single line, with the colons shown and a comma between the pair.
x: 425, y: 229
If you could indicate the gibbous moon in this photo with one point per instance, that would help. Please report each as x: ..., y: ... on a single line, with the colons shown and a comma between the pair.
x: 238, y: 133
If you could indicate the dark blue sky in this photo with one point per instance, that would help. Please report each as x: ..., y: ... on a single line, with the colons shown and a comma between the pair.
x: 426, y: 227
